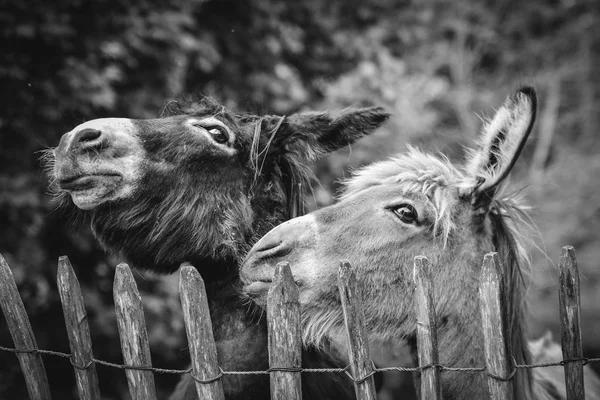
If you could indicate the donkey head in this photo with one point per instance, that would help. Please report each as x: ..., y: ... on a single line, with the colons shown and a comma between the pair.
x: 391, y: 211
x: 198, y: 185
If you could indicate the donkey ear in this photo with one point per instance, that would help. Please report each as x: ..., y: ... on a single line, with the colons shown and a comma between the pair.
x: 312, y: 134
x: 500, y: 145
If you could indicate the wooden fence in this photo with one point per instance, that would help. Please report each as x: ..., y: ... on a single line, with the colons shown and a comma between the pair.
x: 283, y: 314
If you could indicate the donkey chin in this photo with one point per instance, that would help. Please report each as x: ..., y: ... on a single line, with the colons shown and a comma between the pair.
x: 89, y: 191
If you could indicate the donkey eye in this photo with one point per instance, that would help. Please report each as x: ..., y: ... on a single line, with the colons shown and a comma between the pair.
x: 406, y: 213
x: 219, y: 134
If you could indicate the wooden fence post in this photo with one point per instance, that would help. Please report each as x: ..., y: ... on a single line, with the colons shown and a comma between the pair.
x: 285, y: 343
x: 198, y: 327
x: 133, y: 334
x: 78, y: 331
x: 568, y: 296
x: 361, y: 365
x: 426, y: 330
x: 22, y: 335
x: 493, y: 318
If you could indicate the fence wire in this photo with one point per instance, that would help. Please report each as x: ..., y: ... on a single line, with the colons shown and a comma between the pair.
x: 345, y: 370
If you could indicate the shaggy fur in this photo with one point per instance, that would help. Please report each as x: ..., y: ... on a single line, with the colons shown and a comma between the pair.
x: 205, y: 202
x: 454, y: 230
x: 438, y: 180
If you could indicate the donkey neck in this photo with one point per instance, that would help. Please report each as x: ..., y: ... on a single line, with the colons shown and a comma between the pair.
x: 459, y: 346
x: 232, y: 318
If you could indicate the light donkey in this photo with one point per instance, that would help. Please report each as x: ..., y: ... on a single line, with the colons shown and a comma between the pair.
x: 410, y: 205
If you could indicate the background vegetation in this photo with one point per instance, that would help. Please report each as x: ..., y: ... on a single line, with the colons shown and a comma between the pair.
x: 438, y: 66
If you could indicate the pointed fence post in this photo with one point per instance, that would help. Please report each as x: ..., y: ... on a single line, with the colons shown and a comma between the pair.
x: 133, y: 335
x: 361, y: 365
x: 493, y: 318
x: 569, y: 300
x: 201, y: 342
x: 78, y: 331
x: 285, y: 343
x: 22, y: 335
x: 426, y: 330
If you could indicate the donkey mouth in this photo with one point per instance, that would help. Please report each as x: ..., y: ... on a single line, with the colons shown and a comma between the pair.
x: 258, y: 286
x: 90, y: 190
x: 84, y: 182
x: 258, y: 290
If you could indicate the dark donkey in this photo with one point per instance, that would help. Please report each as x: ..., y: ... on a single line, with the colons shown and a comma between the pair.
x: 201, y: 186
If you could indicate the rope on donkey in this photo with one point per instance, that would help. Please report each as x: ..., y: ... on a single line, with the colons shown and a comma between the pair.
x: 346, y: 370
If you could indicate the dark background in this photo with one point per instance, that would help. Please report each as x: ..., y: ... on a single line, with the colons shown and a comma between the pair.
x: 438, y: 66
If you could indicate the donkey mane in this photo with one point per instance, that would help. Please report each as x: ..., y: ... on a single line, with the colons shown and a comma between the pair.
x: 512, y: 228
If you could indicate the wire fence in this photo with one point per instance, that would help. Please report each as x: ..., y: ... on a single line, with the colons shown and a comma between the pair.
x: 284, y: 324
x: 346, y: 370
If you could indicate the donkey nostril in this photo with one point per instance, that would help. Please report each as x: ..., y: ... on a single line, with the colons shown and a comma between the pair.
x: 268, y: 246
x: 274, y: 250
x: 87, y: 135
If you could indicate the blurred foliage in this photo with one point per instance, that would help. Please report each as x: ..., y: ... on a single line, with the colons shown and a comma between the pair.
x: 437, y: 66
